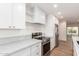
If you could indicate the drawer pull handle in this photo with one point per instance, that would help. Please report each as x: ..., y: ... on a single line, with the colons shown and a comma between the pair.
x: 37, y: 46
x: 9, y: 26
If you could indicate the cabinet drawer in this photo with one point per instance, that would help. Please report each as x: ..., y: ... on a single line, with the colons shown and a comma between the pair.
x: 23, y: 52
x: 36, y: 46
x: 35, y: 53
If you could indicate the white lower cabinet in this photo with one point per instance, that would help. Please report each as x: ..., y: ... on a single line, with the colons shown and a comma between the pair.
x: 74, y: 52
x: 34, y: 50
x: 23, y: 52
x: 52, y: 43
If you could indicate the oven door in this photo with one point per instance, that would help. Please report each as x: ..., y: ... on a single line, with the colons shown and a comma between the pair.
x: 46, y: 48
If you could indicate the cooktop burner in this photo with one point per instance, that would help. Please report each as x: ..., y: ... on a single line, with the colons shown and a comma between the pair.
x: 39, y: 36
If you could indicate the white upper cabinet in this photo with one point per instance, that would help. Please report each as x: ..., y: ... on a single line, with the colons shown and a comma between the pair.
x: 12, y: 16
x: 18, y: 16
x: 39, y: 16
x: 5, y: 15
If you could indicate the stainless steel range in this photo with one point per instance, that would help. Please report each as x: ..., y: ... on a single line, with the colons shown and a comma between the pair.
x: 45, y: 42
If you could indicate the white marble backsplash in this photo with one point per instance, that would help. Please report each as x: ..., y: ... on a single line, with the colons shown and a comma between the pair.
x: 14, y: 38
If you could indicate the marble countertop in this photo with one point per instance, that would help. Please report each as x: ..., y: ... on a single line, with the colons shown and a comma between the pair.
x: 75, y: 44
x: 15, y: 46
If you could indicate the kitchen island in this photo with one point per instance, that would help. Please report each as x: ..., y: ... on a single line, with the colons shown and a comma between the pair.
x: 30, y: 47
x: 75, y: 45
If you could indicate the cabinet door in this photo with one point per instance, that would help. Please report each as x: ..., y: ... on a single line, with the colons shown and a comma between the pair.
x: 52, y: 43
x: 36, y: 50
x: 23, y: 52
x: 5, y: 15
x: 19, y: 16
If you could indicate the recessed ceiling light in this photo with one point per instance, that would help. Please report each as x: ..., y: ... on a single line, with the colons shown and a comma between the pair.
x: 55, y: 5
x: 59, y: 13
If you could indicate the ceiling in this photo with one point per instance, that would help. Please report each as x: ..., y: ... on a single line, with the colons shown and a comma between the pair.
x: 69, y: 11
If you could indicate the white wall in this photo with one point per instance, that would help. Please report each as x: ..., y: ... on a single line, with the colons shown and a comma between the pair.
x: 9, y: 33
x: 29, y: 29
x: 34, y: 27
x: 62, y: 30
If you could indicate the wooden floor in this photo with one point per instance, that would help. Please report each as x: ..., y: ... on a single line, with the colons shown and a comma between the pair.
x: 64, y: 49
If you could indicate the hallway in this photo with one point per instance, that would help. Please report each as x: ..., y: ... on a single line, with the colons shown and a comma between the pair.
x: 64, y: 49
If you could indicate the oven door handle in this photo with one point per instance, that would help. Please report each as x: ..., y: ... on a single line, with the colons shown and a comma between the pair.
x: 46, y: 43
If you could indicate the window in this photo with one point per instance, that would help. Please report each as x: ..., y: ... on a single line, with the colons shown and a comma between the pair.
x: 72, y: 30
